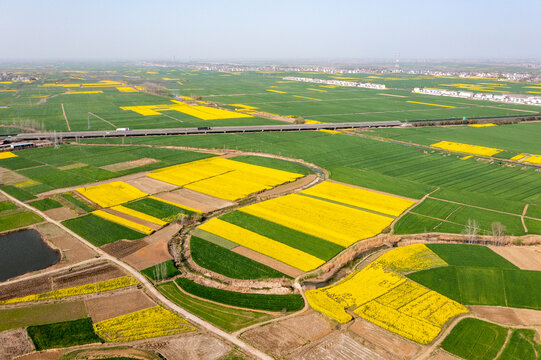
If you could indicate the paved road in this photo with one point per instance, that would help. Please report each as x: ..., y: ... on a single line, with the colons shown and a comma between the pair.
x: 205, y: 130
x: 143, y: 280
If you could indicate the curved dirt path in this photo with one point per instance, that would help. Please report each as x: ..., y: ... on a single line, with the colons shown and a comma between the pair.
x: 145, y: 282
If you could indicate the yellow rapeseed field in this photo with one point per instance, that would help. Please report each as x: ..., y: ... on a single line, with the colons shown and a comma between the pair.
x: 27, y: 183
x: 466, y: 148
x: 519, y: 156
x: 101, y: 286
x: 121, y: 221
x: 139, y: 215
x: 111, y: 194
x: 83, y: 92
x: 340, y: 224
x: 380, y: 294
x: 410, y: 258
x: 276, y: 91
x: 332, y: 132
x: 126, y: 89
x: 466, y: 157
x: 7, y: 155
x: 366, y: 199
x: 481, y: 125
x: 423, y: 103
x: 306, y: 97
x: 223, y: 178
x: 533, y: 159
x: 198, y: 111
x: 148, y: 323
x: 262, y: 244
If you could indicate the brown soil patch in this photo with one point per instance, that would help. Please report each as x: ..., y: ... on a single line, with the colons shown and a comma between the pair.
x: 76, y: 165
x: 43, y: 355
x: 155, y: 249
x: 133, y: 219
x: 73, y: 251
x: 265, y: 260
x: 292, y: 186
x: 150, y: 255
x: 442, y: 355
x: 526, y: 258
x: 309, y: 325
x: 107, y: 306
x: 122, y: 248
x: 125, y: 165
x: 150, y: 185
x: 77, y: 275
x: 195, y: 200
x: 191, y: 347
x: 61, y: 214
x: 384, y: 341
x: 9, y: 177
x: 166, y: 232
x: 336, y: 346
x: 99, y: 353
x: 14, y: 343
x: 274, y: 339
x: 508, y: 316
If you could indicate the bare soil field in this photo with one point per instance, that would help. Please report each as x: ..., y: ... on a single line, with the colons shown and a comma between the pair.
x: 508, y: 316
x: 156, y: 248
x: 14, y: 343
x: 125, y: 165
x: 283, y: 337
x: 42, y: 355
x: 525, y: 257
x: 265, y: 260
x: 336, y: 346
x: 149, y: 255
x: 122, y: 248
x: 76, y: 165
x: 190, y: 347
x: 9, y: 177
x: 100, y: 353
x: 195, y: 200
x: 133, y: 219
x: 78, y: 275
x: 310, y: 325
x: 151, y: 186
x: 385, y: 342
x: 292, y: 186
x: 61, y: 214
x: 274, y: 339
x: 110, y: 305
x: 442, y: 355
x: 73, y: 251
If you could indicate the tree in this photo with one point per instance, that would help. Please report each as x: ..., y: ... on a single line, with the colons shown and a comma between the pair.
x: 471, y: 231
x: 299, y: 120
x: 498, y: 232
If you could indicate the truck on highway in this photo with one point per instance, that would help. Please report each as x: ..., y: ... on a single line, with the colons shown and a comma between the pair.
x: 122, y: 129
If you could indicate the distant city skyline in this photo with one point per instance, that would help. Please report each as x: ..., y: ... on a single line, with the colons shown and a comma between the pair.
x: 269, y: 31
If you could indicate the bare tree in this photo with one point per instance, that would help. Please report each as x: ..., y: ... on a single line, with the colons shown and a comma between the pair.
x: 498, y: 233
x: 160, y: 271
x: 471, y: 230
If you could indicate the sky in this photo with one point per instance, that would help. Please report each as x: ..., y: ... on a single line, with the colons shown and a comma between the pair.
x: 257, y: 30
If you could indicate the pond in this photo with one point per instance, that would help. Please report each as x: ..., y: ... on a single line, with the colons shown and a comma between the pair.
x: 24, y: 251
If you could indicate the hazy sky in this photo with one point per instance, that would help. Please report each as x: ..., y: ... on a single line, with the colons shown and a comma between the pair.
x: 272, y: 30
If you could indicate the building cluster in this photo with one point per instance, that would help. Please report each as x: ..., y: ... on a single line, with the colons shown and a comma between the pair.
x: 14, y: 77
x: 336, y: 82
x: 508, y: 98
